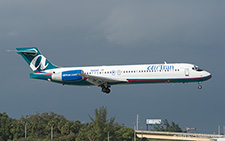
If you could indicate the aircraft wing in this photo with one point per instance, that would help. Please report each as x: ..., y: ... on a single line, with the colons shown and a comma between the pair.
x: 98, y: 81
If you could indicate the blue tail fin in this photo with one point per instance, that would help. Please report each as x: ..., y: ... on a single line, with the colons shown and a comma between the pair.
x: 35, y: 59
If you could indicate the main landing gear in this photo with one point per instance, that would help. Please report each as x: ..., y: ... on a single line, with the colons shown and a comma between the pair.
x: 199, y: 85
x: 105, y: 89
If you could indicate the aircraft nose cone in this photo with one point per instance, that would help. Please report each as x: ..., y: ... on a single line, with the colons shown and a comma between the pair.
x: 208, y: 75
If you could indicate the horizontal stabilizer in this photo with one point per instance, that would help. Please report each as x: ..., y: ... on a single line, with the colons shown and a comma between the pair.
x: 40, y: 75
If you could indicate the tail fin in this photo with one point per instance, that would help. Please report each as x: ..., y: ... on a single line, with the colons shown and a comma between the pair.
x: 35, y: 59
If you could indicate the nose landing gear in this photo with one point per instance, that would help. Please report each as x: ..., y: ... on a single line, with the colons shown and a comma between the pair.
x: 199, y: 85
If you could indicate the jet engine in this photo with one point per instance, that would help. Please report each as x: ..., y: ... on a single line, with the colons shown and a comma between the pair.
x: 67, y: 76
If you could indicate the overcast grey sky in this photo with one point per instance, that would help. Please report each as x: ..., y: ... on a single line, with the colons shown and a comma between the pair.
x: 85, y: 32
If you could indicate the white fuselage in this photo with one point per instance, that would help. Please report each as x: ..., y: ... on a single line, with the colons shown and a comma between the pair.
x: 105, y: 76
x: 148, y: 73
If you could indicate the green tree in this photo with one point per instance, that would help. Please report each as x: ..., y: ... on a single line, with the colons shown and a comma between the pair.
x: 76, y: 127
x: 39, y: 128
x: 124, y: 133
x: 18, y: 129
x: 167, y: 127
x: 101, y: 125
x: 39, y: 125
x: 5, y: 126
x: 85, y: 133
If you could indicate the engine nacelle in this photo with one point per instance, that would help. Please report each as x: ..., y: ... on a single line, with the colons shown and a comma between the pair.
x: 68, y: 76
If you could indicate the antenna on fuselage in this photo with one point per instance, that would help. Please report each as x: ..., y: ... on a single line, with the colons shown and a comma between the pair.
x: 165, y: 62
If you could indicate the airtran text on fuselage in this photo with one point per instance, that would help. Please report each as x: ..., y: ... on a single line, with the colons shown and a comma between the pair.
x: 160, y: 67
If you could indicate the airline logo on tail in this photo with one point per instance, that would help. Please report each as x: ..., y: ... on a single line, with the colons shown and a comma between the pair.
x: 42, y: 64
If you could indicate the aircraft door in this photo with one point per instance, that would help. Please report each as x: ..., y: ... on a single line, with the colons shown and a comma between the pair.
x: 186, y: 72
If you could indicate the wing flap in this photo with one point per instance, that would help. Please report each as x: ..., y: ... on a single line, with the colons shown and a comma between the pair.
x: 98, y: 81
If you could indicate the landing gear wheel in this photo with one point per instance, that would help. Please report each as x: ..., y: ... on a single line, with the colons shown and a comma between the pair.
x: 199, y: 86
x: 107, y: 91
x: 104, y: 89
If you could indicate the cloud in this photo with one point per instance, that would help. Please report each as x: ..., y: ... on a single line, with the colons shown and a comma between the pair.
x: 12, y: 33
x: 163, y: 22
x: 120, y: 25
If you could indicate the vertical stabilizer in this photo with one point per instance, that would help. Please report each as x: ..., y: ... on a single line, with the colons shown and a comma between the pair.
x: 35, y: 59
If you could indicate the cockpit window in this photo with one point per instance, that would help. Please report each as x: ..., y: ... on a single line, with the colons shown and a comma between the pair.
x: 196, y: 68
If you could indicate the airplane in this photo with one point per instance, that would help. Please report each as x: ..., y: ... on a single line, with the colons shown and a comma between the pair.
x: 106, y: 76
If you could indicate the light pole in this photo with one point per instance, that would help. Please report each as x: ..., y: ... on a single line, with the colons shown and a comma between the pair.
x: 137, y: 121
x: 223, y: 130
x: 108, y: 135
x: 52, y: 131
x: 134, y: 134
x: 219, y: 130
